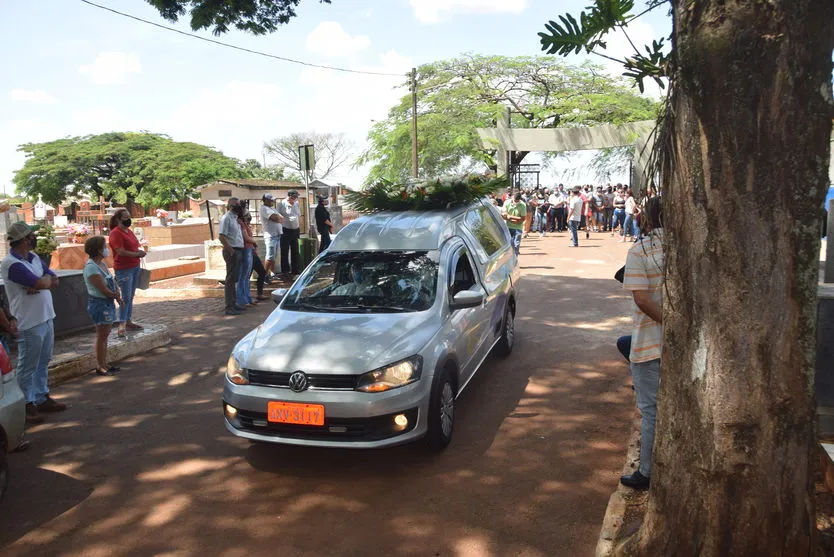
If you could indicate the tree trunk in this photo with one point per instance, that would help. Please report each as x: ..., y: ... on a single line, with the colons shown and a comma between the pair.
x: 751, y: 116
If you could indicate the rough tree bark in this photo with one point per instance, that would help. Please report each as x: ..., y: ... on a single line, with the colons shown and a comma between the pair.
x: 751, y: 114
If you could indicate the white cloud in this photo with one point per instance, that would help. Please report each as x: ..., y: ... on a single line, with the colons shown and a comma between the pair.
x: 432, y: 11
x: 34, y: 96
x: 112, y: 67
x: 330, y: 39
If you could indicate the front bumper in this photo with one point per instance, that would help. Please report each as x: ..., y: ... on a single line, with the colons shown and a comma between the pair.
x: 352, y: 419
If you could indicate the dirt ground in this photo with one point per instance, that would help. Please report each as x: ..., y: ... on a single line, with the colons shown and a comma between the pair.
x: 141, y: 464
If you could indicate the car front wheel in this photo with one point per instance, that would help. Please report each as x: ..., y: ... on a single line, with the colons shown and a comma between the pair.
x: 507, y: 341
x: 441, y: 412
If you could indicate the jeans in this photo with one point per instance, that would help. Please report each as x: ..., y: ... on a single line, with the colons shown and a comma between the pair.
x: 260, y: 272
x: 289, y: 250
x: 574, y: 232
x: 243, y: 291
x: 126, y: 279
x: 606, y: 217
x: 515, y: 239
x: 630, y: 227
x: 646, y: 378
x: 539, y: 222
x: 325, y: 239
x: 34, y: 352
x: 551, y: 219
x: 234, y: 262
x: 619, y: 219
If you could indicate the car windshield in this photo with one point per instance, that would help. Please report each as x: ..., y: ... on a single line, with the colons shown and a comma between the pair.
x: 367, y: 282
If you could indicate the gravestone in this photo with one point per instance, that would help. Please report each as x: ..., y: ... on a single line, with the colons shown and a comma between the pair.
x: 7, y: 218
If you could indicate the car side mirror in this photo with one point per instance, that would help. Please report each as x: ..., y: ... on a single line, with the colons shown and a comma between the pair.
x: 467, y: 299
x: 278, y: 295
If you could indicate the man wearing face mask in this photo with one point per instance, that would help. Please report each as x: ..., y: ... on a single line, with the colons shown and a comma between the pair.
x: 27, y: 284
x: 231, y: 236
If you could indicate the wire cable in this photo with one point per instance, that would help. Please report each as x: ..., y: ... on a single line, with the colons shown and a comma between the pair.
x: 227, y: 45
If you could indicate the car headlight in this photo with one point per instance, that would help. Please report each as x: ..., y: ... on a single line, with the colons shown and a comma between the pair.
x: 235, y: 373
x: 390, y: 377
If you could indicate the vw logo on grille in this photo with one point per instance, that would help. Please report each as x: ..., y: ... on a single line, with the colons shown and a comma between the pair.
x: 298, y: 381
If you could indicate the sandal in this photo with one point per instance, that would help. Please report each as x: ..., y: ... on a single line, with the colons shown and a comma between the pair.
x: 113, y: 369
x: 135, y: 327
x: 104, y: 372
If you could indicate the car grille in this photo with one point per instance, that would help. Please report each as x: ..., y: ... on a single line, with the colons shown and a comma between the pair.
x: 317, y: 382
x: 334, y: 429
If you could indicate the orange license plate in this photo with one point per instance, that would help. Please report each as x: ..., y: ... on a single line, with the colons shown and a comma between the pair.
x: 295, y: 413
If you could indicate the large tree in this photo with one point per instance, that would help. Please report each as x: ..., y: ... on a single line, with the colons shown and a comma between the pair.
x: 147, y: 168
x: 254, y: 16
x: 332, y: 151
x: 459, y: 95
x: 743, y: 157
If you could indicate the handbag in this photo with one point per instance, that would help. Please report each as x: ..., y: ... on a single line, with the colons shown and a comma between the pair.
x: 143, y: 281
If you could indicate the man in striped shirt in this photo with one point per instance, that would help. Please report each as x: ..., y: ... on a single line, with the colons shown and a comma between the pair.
x: 644, y: 276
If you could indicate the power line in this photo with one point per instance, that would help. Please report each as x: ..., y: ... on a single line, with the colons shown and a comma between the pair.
x: 227, y: 45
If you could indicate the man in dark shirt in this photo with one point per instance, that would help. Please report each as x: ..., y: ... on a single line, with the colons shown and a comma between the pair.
x: 323, y: 224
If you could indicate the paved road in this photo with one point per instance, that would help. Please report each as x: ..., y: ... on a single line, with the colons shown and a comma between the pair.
x: 142, y: 465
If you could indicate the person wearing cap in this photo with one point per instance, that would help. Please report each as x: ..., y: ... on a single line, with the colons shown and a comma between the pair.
x: 231, y: 236
x: 291, y: 212
x: 271, y: 223
x: 27, y: 282
x: 323, y: 224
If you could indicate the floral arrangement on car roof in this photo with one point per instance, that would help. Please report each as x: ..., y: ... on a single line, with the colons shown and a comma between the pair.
x: 427, y: 195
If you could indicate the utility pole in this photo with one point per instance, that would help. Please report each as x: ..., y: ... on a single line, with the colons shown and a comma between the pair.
x: 414, y: 165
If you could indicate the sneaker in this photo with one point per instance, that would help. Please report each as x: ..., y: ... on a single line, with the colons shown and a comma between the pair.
x: 51, y: 405
x: 240, y: 308
x: 636, y: 481
x: 233, y: 312
x: 32, y: 414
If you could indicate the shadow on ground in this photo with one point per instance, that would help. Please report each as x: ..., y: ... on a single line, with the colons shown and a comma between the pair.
x: 141, y: 464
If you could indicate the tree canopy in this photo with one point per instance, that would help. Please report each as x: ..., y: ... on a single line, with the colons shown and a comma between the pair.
x: 146, y: 168
x: 258, y: 17
x: 332, y: 151
x: 459, y: 95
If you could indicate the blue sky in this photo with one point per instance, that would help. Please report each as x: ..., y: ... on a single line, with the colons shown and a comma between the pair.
x: 71, y: 69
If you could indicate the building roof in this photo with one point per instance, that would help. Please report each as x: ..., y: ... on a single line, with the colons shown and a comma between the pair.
x: 254, y: 184
x: 407, y: 230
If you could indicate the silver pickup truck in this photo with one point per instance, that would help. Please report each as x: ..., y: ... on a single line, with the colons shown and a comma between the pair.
x: 377, y: 338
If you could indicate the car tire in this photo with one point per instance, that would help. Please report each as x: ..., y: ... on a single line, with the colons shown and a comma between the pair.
x: 507, y: 341
x: 441, y: 412
x: 4, y: 472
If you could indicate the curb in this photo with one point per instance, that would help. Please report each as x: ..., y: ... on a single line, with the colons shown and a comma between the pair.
x: 69, y: 367
x: 613, y: 525
x: 182, y: 293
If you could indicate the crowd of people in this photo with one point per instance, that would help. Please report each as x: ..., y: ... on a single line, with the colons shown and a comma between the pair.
x: 610, y: 208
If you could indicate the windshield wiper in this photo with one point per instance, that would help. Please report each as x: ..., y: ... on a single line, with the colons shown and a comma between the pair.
x: 360, y: 307
x: 304, y: 305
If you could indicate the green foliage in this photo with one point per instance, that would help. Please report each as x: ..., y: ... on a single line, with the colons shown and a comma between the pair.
x: 251, y: 168
x: 593, y: 25
x: 46, y: 240
x: 440, y: 193
x: 150, y: 169
x: 459, y: 95
x: 588, y: 33
x: 254, y: 16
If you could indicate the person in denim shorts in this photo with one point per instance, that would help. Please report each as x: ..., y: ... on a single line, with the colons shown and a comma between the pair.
x: 102, y: 294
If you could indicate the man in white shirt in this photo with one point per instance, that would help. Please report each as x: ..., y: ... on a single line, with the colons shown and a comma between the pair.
x: 231, y: 236
x: 291, y: 213
x: 574, y: 216
x: 27, y: 283
x: 271, y: 224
